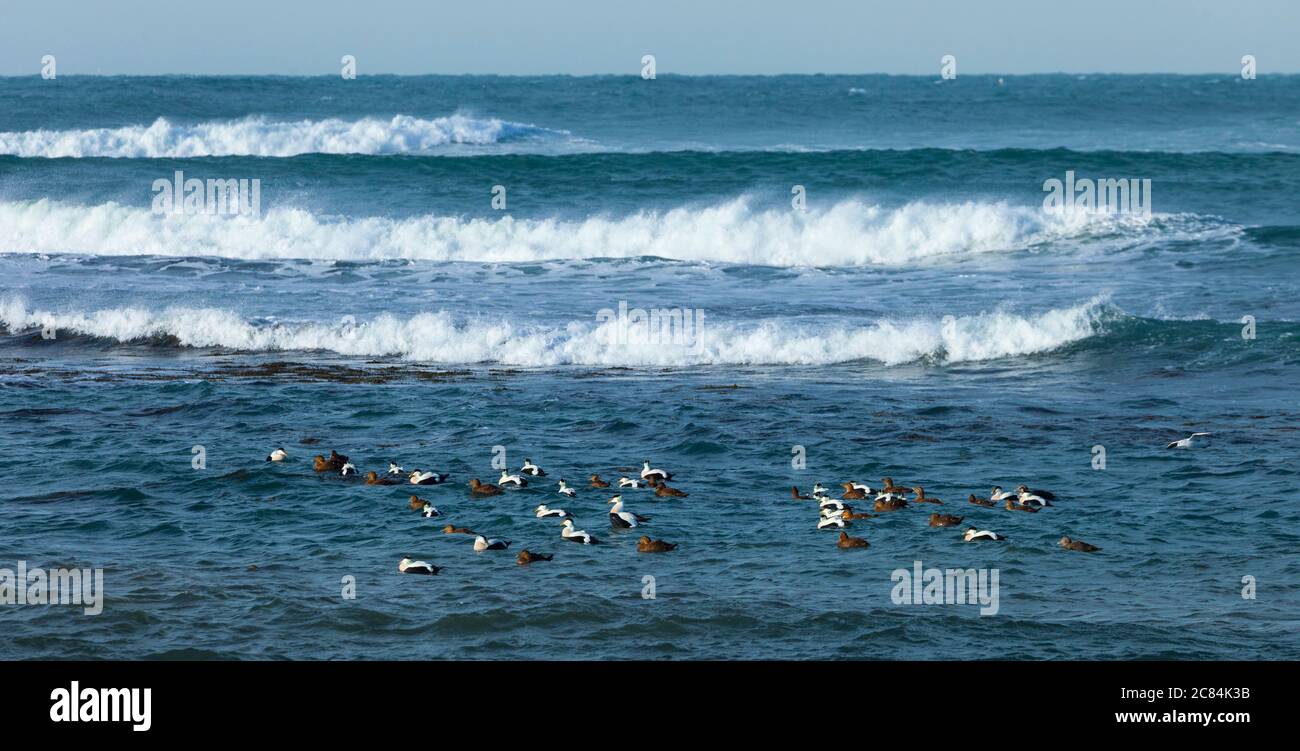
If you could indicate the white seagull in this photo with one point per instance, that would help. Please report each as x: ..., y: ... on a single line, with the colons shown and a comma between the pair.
x: 1185, y: 443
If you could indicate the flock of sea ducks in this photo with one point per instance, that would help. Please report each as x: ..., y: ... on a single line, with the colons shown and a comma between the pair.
x: 833, y: 513
x: 619, y: 517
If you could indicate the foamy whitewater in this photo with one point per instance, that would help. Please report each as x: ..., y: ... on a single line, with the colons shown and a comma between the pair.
x: 753, y: 282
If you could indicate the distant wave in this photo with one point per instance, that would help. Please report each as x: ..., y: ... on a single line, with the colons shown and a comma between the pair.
x: 257, y: 136
x: 440, y: 338
x: 849, y: 233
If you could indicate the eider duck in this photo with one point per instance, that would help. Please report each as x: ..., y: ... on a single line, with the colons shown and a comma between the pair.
x: 348, y: 469
x: 566, y: 491
x: 831, y: 503
x: 332, y: 464
x: 429, y: 510
x: 647, y: 473
x: 1013, y: 506
x: 408, y: 566
x: 482, y: 543
x: 1027, y: 499
x: 890, y: 488
x: 511, y: 480
x: 526, y: 556
x: 794, y: 494
x: 427, y: 478
x: 394, y: 469
x: 944, y: 520
x: 889, y: 504
x: 833, y: 521
x: 819, y: 492
x: 860, y: 486
x: 417, y: 503
x: 997, y: 495
x: 1185, y: 443
x: 624, y: 519
x: 450, y: 530
x: 646, y: 545
x: 848, y: 514
x: 628, y: 482
x: 1046, y: 496
x: 532, y: 469
x: 596, y: 482
x: 1078, y: 545
x: 921, y: 497
x: 663, y: 490
x: 852, y: 493
x: 977, y: 535
x: 847, y: 542
x: 576, y: 535
x: 278, y: 455
x: 985, y: 502
x: 373, y: 478
x: 483, y: 488
x: 542, y: 512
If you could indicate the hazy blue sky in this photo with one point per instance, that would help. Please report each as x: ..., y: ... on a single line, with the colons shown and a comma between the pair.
x: 303, y: 37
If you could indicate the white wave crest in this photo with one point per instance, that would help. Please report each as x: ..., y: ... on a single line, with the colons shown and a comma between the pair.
x: 848, y: 233
x: 438, y: 337
x: 257, y: 136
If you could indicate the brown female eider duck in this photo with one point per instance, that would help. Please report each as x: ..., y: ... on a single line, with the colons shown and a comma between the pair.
x: 847, y: 542
x: 373, y: 478
x: 646, y: 545
x: 985, y: 502
x: 526, y: 556
x: 663, y: 490
x: 794, y: 495
x: 889, y: 504
x: 450, y: 530
x: 891, y: 489
x: 596, y: 482
x: 978, y: 535
x: 1013, y: 506
x: 944, y: 520
x: 483, y: 488
x: 417, y: 503
x: 921, y: 497
x: 408, y: 566
x: 333, y: 464
x: 1078, y: 545
x: 851, y: 493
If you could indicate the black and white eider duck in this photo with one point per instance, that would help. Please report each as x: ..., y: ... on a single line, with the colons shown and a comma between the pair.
x: 628, y: 482
x: 429, y: 511
x: 278, y: 455
x: 482, y: 543
x: 427, y: 478
x: 647, y: 472
x: 998, y: 495
x: 576, y: 535
x: 532, y: 469
x: 395, y: 469
x: 408, y: 566
x: 542, y: 512
x: 511, y: 481
x: 624, y: 519
x: 979, y: 535
x: 1040, y: 494
x: 348, y: 469
x: 566, y: 491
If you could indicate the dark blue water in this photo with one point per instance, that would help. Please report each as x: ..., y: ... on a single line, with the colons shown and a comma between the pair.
x: 924, y: 318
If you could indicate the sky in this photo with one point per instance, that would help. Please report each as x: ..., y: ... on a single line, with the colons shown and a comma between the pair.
x: 694, y: 37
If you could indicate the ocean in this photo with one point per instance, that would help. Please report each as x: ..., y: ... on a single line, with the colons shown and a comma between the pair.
x: 850, y: 278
